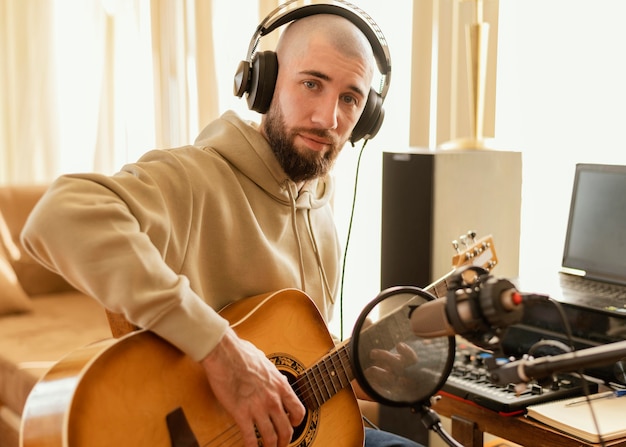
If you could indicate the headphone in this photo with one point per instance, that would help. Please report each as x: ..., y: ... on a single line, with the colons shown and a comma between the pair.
x: 257, y: 75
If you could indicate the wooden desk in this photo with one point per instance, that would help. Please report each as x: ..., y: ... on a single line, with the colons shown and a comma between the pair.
x: 470, y: 421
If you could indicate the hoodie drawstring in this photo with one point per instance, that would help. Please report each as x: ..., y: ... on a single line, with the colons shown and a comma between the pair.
x: 319, y: 260
x: 294, y: 224
x: 320, y: 266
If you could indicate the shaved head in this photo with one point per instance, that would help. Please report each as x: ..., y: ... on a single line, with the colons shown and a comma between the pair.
x: 342, y: 34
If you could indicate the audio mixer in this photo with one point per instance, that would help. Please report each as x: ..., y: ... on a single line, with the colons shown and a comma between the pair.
x: 469, y: 380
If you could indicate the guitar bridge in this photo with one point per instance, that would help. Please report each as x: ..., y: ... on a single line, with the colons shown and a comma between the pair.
x: 179, y: 429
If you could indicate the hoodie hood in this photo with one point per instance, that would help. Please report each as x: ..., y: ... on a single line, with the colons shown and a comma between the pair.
x: 248, y: 150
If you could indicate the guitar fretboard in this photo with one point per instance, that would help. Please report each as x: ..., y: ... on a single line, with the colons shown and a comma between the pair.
x: 440, y: 288
x: 326, y: 378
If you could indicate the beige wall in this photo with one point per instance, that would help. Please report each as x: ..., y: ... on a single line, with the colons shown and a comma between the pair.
x: 445, y: 71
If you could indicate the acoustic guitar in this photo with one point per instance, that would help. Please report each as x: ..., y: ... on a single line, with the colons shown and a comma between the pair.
x: 139, y: 390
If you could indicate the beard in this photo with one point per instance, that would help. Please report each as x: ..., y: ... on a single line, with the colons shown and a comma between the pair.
x: 298, y: 165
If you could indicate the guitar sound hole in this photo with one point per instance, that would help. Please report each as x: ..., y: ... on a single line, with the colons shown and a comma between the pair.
x: 300, y: 429
x: 304, y: 433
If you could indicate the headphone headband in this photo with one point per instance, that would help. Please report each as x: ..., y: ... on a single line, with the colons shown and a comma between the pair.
x: 283, y: 14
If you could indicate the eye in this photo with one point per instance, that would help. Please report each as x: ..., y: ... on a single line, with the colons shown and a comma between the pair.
x: 350, y: 100
x: 310, y: 84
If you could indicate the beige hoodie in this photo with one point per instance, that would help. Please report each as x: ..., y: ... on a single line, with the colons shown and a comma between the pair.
x: 183, y: 232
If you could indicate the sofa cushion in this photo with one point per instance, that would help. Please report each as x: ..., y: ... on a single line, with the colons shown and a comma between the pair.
x: 13, y: 299
x: 16, y: 203
x: 31, y: 342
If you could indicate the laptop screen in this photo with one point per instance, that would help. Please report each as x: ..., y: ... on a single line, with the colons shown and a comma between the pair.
x: 596, y: 232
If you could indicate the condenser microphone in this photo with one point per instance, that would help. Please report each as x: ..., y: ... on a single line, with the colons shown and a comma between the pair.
x: 477, y: 311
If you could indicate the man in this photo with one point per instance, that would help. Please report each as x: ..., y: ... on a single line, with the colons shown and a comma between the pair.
x: 175, y: 237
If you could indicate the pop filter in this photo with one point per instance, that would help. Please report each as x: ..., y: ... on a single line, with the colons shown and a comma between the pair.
x: 392, y: 364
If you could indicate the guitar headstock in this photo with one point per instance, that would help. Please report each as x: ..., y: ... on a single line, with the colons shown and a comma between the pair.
x: 470, y: 251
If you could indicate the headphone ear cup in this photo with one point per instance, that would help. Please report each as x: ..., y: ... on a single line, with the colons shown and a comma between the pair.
x: 371, y: 118
x: 241, y: 82
x: 263, y: 76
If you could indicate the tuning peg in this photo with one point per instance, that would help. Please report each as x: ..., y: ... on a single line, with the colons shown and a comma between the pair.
x: 455, y: 245
x: 472, y: 235
x: 464, y: 240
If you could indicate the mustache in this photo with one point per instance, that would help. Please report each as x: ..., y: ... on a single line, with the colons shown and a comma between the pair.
x: 322, y: 133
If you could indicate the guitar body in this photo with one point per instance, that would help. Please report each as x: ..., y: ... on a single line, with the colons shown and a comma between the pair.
x: 119, y: 392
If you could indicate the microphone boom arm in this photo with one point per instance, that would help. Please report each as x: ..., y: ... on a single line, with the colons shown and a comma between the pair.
x: 528, y: 368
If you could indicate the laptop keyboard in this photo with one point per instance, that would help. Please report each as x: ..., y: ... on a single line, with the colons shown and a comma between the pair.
x: 604, y: 295
x: 589, y: 286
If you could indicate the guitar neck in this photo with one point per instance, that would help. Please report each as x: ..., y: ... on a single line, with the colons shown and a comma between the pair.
x: 333, y: 372
x: 440, y: 287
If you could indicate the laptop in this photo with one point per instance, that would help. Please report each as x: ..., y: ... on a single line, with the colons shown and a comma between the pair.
x: 593, y: 269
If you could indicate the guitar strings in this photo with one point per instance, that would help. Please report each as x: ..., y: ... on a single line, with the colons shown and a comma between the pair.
x: 232, y: 436
x: 308, y: 383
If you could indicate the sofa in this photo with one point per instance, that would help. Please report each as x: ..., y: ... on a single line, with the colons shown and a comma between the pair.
x: 42, y: 317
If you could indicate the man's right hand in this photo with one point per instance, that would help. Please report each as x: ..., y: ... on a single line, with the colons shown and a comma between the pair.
x: 253, y: 391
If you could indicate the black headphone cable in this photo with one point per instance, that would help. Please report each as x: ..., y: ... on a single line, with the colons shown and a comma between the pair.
x: 345, y: 251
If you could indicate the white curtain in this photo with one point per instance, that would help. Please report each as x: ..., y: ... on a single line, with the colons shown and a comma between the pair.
x: 29, y: 137
x: 91, y: 85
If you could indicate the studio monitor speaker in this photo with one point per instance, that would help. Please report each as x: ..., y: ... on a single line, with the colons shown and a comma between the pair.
x: 429, y: 199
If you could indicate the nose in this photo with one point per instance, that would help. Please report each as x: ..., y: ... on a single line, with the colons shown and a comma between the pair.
x: 325, y: 112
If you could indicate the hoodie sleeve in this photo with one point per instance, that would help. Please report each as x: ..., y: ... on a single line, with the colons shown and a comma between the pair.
x: 113, y: 239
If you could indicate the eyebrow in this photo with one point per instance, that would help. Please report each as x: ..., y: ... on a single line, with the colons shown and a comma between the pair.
x: 325, y: 77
